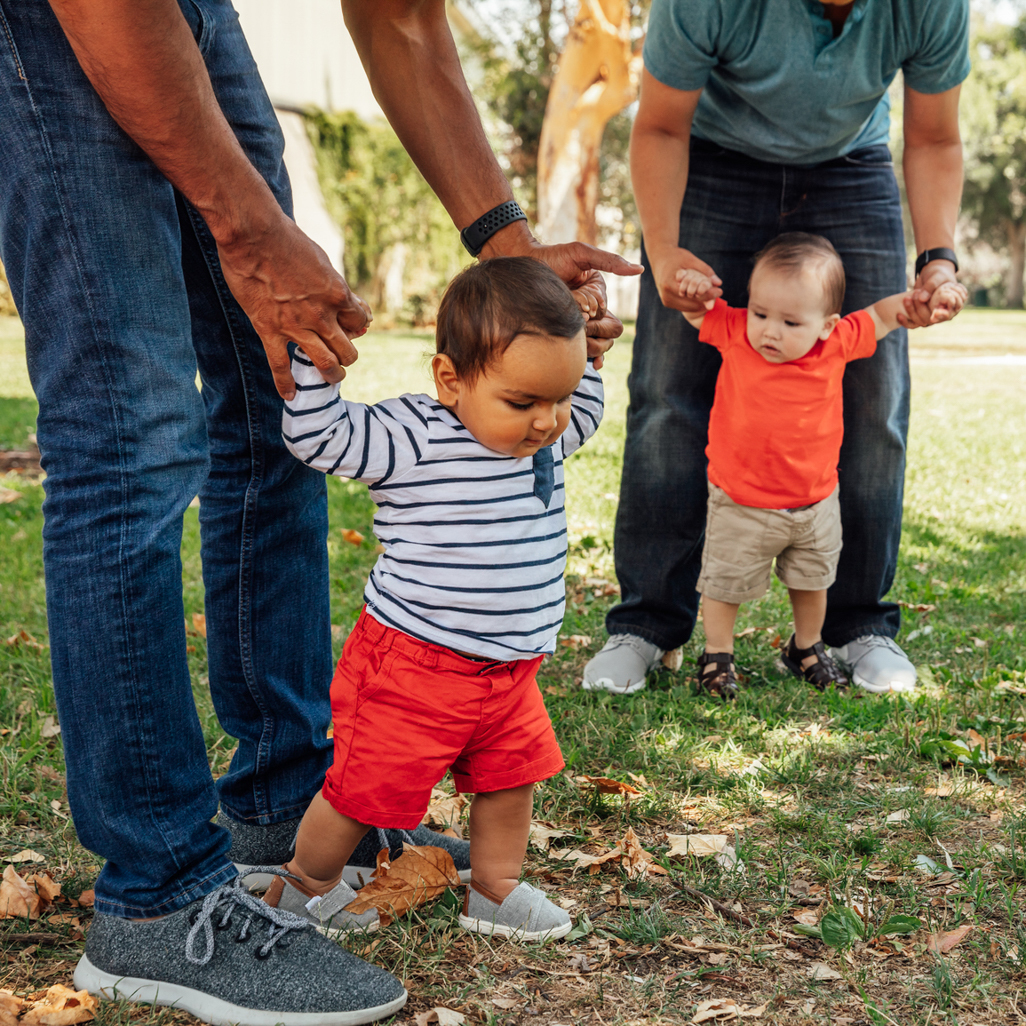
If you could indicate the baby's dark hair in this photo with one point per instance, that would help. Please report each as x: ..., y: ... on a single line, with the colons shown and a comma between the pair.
x: 488, y: 304
x: 794, y: 251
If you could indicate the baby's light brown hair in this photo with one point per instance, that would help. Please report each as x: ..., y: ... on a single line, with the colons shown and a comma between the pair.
x: 487, y: 305
x: 795, y: 251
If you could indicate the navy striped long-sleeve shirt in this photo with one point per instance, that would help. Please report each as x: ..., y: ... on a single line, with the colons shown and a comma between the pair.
x: 473, y: 559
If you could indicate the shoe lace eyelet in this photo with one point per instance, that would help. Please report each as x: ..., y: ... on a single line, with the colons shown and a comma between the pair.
x: 262, y: 954
x: 224, y: 924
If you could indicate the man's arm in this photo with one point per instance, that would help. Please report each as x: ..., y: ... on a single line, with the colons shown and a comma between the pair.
x: 430, y: 107
x: 932, y: 163
x: 660, y: 144
x: 141, y: 58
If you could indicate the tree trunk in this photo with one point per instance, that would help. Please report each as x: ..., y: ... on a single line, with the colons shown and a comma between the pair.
x: 1016, y: 232
x: 597, y: 78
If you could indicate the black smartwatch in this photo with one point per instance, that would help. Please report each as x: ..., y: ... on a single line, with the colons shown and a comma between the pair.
x: 935, y: 254
x: 474, y: 236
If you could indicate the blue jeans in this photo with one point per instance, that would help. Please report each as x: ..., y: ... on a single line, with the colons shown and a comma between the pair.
x: 733, y: 206
x: 118, y: 283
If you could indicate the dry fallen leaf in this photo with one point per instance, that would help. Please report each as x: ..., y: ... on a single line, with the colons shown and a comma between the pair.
x: 50, y: 728
x: 807, y: 917
x: 822, y: 971
x: 576, y: 641
x: 17, y: 898
x: 542, y: 832
x: 351, y: 536
x: 199, y: 624
x: 86, y: 898
x: 720, y: 1008
x: 638, y: 863
x: 757, y: 1011
x: 61, y: 1006
x: 45, y: 886
x: 696, y: 844
x: 898, y: 817
x: 942, y: 943
x: 941, y: 791
x: 442, y: 1016
x: 27, y: 855
x: 24, y: 639
x: 10, y: 1008
x: 674, y: 659
x: 580, y: 963
x: 422, y: 872
x: 505, y: 1003
x: 582, y: 860
x: 444, y: 810
x: 606, y: 785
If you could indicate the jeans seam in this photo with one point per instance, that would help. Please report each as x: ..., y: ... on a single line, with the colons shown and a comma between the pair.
x: 260, y: 797
x: 14, y: 49
x: 174, y: 899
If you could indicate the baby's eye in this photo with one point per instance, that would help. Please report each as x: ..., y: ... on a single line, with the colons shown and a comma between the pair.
x: 761, y: 317
x: 564, y: 400
x: 791, y: 324
x: 519, y: 406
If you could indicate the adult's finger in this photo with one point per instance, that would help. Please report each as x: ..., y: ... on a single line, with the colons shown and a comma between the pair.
x: 597, y: 348
x: 336, y: 340
x: 320, y: 355
x: 281, y: 367
x: 608, y: 326
x: 593, y: 258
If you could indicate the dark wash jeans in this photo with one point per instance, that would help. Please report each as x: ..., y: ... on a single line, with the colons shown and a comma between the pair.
x: 118, y: 283
x: 733, y: 206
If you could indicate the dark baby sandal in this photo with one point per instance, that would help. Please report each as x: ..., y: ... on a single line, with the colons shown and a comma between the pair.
x: 820, y: 674
x: 721, y: 680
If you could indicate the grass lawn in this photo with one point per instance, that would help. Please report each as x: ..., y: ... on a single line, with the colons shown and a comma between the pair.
x: 877, y: 823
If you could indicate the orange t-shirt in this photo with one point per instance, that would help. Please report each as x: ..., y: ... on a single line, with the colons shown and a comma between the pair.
x: 775, y: 429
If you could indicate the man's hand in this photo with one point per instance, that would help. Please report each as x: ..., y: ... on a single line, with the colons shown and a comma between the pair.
x: 289, y: 290
x: 674, y: 265
x: 936, y: 296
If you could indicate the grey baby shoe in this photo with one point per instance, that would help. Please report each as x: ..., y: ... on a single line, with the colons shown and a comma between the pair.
x: 230, y: 958
x: 525, y: 914
x: 327, y: 912
x: 254, y: 845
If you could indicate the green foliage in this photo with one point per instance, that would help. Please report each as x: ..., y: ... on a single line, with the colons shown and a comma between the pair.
x: 380, y: 200
x: 946, y: 747
x: 993, y: 115
x: 841, y: 927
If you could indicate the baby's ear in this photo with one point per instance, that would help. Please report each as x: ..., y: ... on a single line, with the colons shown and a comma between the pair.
x: 828, y: 326
x: 446, y: 379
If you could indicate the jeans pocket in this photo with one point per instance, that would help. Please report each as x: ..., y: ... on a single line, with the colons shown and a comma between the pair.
x: 869, y: 156
x: 200, y: 24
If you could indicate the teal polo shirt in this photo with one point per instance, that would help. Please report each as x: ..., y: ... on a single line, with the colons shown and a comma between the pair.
x: 777, y: 86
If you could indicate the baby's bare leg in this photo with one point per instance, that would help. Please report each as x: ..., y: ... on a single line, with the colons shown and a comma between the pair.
x: 809, y: 613
x: 718, y: 620
x: 325, y: 841
x: 500, y: 822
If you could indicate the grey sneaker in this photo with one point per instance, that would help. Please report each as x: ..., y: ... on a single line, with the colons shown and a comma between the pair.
x: 525, y: 914
x: 327, y: 912
x: 276, y: 844
x: 621, y: 665
x: 877, y: 664
x: 229, y: 958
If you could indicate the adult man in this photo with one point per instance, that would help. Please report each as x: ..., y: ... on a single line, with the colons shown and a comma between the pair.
x: 144, y: 227
x: 775, y: 117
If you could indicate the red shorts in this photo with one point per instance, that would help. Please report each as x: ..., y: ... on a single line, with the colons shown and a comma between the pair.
x: 405, y: 711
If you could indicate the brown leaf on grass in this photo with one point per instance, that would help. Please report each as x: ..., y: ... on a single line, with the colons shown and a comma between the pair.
x: 582, y: 860
x: 822, y: 971
x: 17, y: 897
x: 776, y: 641
x: 444, y: 810
x: 86, y: 898
x: 718, y: 1008
x: 422, y: 872
x: 350, y: 535
x: 542, y: 832
x: 505, y: 1003
x: 558, y: 692
x: 576, y: 641
x: 696, y: 844
x: 942, y: 943
x: 808, y: 917
x: 199, y: 624
x: 607, y: 785
x: 45, y: 886
x: 61, y: 1006
x: 24, y: 640
x: 918, y: 607
x: 638, y: 863
x: 10, y: 1007
x: 440, y: 1015
x: 27, y: 855
x: 50, y: 728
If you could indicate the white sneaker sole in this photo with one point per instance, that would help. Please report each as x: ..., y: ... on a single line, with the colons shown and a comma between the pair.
x: 493, y: 929
x: 875, y: 688
x: 214, y: 1010
x: 608, y: 684
x: 355, y: 876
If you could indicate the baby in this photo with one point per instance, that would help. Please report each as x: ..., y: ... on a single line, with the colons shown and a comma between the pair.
x: 466, y: 598
x: 774, y: 440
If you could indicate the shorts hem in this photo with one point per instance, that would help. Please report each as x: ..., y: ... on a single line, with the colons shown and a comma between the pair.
x: 800, y: 583
x: 709, y: 590
x: 533, y: 773
x: 387, y: 820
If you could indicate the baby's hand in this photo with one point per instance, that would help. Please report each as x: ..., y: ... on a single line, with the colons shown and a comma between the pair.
x: 695, y: 285
x: 947, y: 300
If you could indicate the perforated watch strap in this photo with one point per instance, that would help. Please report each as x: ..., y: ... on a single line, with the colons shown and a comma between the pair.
x: 474, y: 236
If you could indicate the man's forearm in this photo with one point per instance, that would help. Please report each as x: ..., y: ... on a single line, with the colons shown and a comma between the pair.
x: 144, y: 63
x: 659, y: 174
x: 409, y: 55
x: 933, y: 182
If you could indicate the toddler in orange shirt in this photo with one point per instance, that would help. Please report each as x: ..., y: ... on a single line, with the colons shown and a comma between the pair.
x: 774, y: 441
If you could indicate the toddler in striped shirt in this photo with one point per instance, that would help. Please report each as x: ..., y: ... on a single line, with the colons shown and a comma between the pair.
x: 466, y: 598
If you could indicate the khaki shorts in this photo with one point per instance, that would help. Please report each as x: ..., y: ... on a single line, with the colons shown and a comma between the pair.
x: 742, y: 541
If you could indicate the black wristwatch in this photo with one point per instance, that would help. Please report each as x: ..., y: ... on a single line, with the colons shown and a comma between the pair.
x: 474, y: 236
x: 935, y: 254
